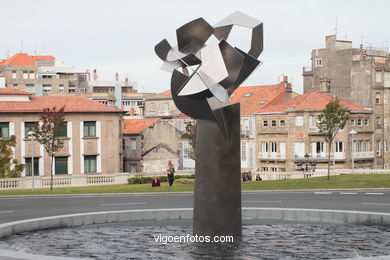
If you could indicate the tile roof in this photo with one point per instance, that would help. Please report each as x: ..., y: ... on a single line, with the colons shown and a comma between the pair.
x: 13, y: 92
x: 72, y: 104
x: 314, y: 101
x: 166, y: 92
x: 253, y: 99
x: 23, y: 59
x: 135, y: 126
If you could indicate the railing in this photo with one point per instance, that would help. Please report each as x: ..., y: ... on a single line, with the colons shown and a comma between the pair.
x: 245, y: 134
x: 280, y: 156
x: 77, y: 180
x: 320, y: 156
x: 360, y: 155
x: 313, y: 129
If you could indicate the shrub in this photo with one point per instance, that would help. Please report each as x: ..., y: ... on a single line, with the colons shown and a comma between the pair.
x: 148, y: 179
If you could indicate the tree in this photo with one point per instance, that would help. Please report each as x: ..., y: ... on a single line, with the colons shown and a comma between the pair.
x: 333, y: 118
x: 9, y: 167
x: 46, y: 132
x: 189, y: 134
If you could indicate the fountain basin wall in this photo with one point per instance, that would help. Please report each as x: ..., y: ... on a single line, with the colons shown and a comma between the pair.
x: 284, y: 214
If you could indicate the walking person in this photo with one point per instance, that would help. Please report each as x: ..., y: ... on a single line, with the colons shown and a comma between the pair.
x: 170, y: 172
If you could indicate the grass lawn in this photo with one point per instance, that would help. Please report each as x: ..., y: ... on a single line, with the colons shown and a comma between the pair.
x: 335, y: 182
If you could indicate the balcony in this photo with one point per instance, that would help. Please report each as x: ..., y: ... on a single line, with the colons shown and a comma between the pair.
x: 245, y: 134
x: 273, y: 156
x: 321, y: 156
x: 313, y: 129
x: 363, y: 155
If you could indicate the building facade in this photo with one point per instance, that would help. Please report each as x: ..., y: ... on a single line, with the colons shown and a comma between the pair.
x: 288, y: 137
x: 91, y: 134
x: 149, y: 143
x: 360, y: 76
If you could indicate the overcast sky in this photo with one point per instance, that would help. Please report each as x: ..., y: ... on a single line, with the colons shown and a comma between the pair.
x: 119, y: 36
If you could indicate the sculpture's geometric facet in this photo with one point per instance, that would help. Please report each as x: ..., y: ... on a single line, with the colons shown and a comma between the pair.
x: 213, y: 69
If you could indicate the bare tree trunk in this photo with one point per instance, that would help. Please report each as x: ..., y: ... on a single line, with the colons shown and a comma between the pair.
x: 330, y: 147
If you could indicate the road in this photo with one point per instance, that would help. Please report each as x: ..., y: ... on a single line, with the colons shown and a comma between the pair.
x: 18, y: 208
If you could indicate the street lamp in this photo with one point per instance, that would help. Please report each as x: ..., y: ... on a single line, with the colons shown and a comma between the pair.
x: 31, y: 135
x: 306, y: 162
x: 352, y: 133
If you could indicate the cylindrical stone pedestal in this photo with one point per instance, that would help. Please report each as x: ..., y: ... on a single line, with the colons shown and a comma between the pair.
x: 217, y: 196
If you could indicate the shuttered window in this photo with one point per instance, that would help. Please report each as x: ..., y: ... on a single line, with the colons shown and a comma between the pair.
x: 61, y: 165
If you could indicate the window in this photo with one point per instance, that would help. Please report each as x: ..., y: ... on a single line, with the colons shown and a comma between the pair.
x: 265, y: 123
x: 31, y: 74
x: 387, y: 80
x: 123, y: 144
x: 274, y: 169
x: 14, y: 85
x: 89, y: 128
x: 339, y: 147
x: 14, y: 74
x: 367, y: 146
x: 299, y: 121
x: 25, y: 74
x: 61, y: 89
x: 318, y: 62
x: 90, y: 163
x: 264, y: 147
x: 360, y: 146
x: 273, y: 123
x: 378, y: 147
x: 385, y: 146
x: 243, y: 151
x: 4, y: 130
x: 273, y: 146
x: 64, y: 130
x: 28, y: 126
x: 282, y: 123
x: 264, y: 169
x: 352, y: 122
x: 378, y: 121
x: 319, y: 147
x: 377, y: 98
x: 133, y: 145
x: 152, y: 107
x: 366, y: 121
x: 282, y: 169
x: 378, y: 76
x: 299, y: 149
x: 28, y: 168
x: 359, y: 122
x: 60, y: 165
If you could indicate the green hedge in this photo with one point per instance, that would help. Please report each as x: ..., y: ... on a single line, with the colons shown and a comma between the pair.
x: 143, y: 180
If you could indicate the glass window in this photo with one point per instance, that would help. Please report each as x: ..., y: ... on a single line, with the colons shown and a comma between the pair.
x: 318, y: 62
x: 89, y: 128
x: 273, y: 123
x: 282, y: 123
x: 299, y: 121
x: 28, y: 126
x: 274, y: 148
x: 339, y: 147
x: 353, y: 122
x: 265, y: 169
x: 133, y: 145
x: 90, y: 163
x: 61, y: 165
x: 28, y: 168
x: 359, y: 122
x: 243, y: 151
x: 64, y: 130
x: 4, y: 130
x: 265, y: 123
x: 377, y: 98
x: 366, y: 121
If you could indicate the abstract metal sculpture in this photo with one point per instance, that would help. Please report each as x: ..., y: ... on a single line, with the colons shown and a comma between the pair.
x: 211, y: 69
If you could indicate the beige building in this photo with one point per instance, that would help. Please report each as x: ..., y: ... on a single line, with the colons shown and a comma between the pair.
x: 149, y: 143
x: 360, y: 76
x: 288, y: 137
x: 92, y: 133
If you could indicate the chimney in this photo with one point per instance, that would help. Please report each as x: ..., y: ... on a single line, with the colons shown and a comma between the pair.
x: 288, y: 88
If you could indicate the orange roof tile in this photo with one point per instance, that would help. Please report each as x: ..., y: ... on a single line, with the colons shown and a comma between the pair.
x: 72, y: 104
x: 253, y: 99
x: 314, y: 101
x: 23, y: 59
x: 166, y: 92
x: 135, y: 126
x: 13, y: 91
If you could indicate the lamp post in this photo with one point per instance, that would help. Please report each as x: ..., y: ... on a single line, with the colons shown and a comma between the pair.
x: 306, y: 162
x: 352, y: 133
x: 31, y: 135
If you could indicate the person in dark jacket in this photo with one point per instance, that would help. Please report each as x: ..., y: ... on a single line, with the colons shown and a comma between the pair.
x: 170, y: 172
